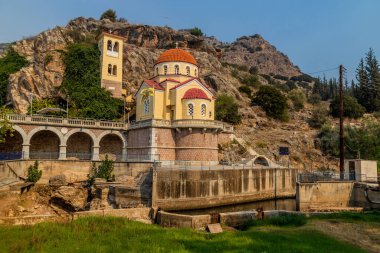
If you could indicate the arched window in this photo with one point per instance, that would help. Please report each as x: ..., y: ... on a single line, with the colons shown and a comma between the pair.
x: 187, y: 70
x: 146, y: 106
x: 109, y: 69
x: 165, y: 70
x: 157, y: 71
x: 116, y: 47
x: 176, y: 69
x: 109, y: 45
x: 114, y: 70
x: 203, y: 110
x: 190, y: 109
x: 195, y: 72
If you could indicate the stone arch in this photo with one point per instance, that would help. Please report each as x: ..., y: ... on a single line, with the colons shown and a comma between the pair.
x: 13, y: 146
x: 51, y: 129
x: 111, y: 143
x: 261, y: 161
x: 79, y: 144
x: 45, y: 143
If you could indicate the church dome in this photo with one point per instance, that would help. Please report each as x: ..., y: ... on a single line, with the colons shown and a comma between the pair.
x: 176, y: 55
x: 195, y: 93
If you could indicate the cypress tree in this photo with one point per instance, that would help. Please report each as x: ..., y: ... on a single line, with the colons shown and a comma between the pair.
x: 362, y: 91
x: 373, y: 73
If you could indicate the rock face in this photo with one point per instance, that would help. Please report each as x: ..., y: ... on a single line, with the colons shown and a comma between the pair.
x: 70, y: 198
x: 254, y: 51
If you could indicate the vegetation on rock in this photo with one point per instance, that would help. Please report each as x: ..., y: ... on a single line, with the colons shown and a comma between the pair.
x: 104, y: 170
x: 298, y: 98
x: 10, y: 63
x: 352, y: 109
x: 319, y: 116
x: 5, y: 125
x: 109, y: 14
x: 196, y: 31
x: 34, y: 174
x: 81, y: 82
x: 273, y: 102
x: 226, y: 109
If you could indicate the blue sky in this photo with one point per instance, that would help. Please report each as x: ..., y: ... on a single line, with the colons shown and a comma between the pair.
x: 316, y: 35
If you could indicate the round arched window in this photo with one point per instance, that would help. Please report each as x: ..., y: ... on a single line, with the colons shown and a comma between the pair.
x: 176, y: 69
x: 190, y: 109
x: 203, y: 110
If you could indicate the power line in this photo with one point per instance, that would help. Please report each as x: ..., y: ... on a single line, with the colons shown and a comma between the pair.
x: 321, y: 71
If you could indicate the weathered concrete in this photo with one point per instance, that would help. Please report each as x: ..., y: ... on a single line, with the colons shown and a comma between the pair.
x: 193, y: 189
x: 166, y: 219
x: 358, y: 197
x: 129, y: 213
x: 234, y: 219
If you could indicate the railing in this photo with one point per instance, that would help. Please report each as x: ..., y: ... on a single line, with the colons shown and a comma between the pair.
x: 181, y: 123
x: 311, y: 177
x: 52, y: 120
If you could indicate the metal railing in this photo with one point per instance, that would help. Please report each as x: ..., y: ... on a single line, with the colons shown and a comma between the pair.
x: 53, y: 120
x: 311, y: 177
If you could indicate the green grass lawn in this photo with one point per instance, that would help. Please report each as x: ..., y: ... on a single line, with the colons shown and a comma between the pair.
x: 98, y: 234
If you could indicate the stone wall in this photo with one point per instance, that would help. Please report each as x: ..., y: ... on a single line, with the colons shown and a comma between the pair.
x: 177, y: 189
x: 166, y: 219
x: 112, y: 146
x: 79, y: 143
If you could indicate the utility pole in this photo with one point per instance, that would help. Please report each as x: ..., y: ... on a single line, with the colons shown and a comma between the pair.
x: 341, y: 129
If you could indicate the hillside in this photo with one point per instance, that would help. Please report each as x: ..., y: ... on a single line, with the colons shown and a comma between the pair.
x: 219, y: 65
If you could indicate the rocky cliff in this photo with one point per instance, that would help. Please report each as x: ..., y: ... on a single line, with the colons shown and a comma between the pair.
x: 144, y: 43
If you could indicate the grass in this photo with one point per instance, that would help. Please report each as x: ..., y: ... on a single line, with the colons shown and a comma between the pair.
x: 100, y: 234
x: 372, y: 216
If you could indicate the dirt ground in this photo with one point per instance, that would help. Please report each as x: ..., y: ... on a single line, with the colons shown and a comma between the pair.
x: 364, y: 235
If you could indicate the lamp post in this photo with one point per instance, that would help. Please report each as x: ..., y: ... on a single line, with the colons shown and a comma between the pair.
x: 31, y: 103
x: 67, y: 106
x: 124, y: 97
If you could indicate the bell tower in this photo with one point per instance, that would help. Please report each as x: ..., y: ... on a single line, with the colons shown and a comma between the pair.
x: 111, y: 63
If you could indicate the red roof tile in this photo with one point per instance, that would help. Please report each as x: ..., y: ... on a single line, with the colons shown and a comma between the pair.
x: 176, y: 54
x: 154, y: 84
x: 195, y: 93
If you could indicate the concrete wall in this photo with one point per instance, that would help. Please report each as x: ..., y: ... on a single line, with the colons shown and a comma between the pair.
x: 194, y: 189
x: 358, y: 197
x: 323, y: 195
x: 183, y: 221
x: 73, y: 170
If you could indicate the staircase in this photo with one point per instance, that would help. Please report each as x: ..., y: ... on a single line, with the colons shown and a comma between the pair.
x: 8, y: 177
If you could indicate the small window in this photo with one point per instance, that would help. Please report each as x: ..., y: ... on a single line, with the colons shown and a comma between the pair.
x: 190, y: 109
x: 165, y: 70
x: 195, y: 72
x: 114, y: 70
x: 109, y: 45
x: 156, y: 71
x: 203, y: 110
x: 116, y: 47
x: 146, y: 106
x: 188, y: 70
x: 176, y: 69
x: 109, y: 69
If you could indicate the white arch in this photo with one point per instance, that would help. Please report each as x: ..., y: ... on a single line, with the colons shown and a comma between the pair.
x: 100, y: 137
x: 21, y: 132
x: 62, y: 139
x: 81, y: 130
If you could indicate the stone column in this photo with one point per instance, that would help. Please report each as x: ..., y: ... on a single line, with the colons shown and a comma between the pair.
x: 62, y: 152
x: 124, y: 154
x: 95, y: 153
x: 25, y: 151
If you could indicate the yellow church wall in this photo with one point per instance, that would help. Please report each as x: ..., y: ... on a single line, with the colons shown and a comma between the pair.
x: 155, y: 105
x: 159, y: 70
x: 197, y: 103
x: 111, y: 58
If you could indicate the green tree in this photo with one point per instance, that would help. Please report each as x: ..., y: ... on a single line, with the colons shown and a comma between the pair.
x: 10, y: 63
x: 352, y: 109
x: 298, y: 98
x: 109, y: 14
x: 5, y: 125
x: 82, y: 82
x: 226, y: 109
x: 34, y: 174
x: 196, y: 31
x: 273, y: 102
x: 104, y: 170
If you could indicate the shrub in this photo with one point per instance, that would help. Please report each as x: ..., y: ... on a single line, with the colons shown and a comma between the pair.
x: 281, y: 77
x: 34, y: 174
x: 298, y: 99
x: 109, y: 14
x: 196, y: 31
x: 250, y: 80
x: 226, y: 109
x: 318, y: 117
x: 314, y: 99
x: 273, y: 102
x: 352, y: 109
x: 104, y: 170
x: 254, y: 70
x: 245, y: 89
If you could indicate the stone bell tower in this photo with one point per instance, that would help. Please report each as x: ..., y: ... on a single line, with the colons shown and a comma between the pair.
x: 111, y: 63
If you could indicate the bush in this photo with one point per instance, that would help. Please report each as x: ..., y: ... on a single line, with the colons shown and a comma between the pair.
x: 352, y: 109
x: 196, y: 32
x: 226, y: 109
x: 104, y: 170
x: 254, y: 70
x: 314, y: 99
x: 318, y: 117
x: 298, y: 99
x: 109, y: 14
x: 273, y: 102
x: 34, y: 174
x: 245, y: 89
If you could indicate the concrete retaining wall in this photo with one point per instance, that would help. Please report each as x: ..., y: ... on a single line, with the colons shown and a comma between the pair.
x: 193, y: 189
x: 73, y: 170
x: 183, y: 221
x: 131, y: 213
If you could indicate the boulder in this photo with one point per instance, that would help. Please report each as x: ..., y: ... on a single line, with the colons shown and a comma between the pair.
x: 58, y: 180
x: 70, y: 198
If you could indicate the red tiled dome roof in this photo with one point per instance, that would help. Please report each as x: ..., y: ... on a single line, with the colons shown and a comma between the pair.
x: 176, y: 54
x: 195, y: 93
